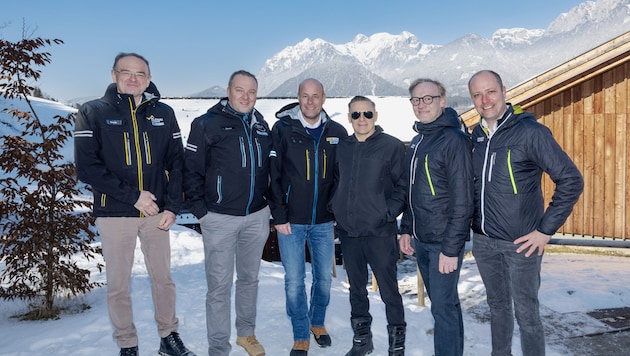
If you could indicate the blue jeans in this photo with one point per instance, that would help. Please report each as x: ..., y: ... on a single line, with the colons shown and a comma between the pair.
x: 448, y: 338
x: 321, y: 245
x: 510, y: 277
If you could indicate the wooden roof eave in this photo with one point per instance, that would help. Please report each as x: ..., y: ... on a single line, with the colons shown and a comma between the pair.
x: 564, y: 76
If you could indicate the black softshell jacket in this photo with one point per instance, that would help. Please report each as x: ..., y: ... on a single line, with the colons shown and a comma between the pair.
x: 302, y: 171
x: 440, y: 195
x: 370, y: 193
x: 227, y: 162
x: 508, y: 167
x: 121, y: 149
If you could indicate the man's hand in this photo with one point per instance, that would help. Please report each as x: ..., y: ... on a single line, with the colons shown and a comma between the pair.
x: 167, y: 220
x: 405, y: 244
x: 284, y: 229
x: 447, y: 264
x: 146, y: 203
x: 533, y: 241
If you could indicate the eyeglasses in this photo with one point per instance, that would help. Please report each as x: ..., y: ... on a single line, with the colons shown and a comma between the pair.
x: 127, y: 74
x: 367, y: 114
x: 427, y: 99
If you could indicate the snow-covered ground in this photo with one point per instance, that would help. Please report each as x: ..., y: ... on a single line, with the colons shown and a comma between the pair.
x: 572, y: 284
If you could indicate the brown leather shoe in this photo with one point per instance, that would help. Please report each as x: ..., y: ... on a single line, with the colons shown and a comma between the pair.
x: 300, y: 348
x: 251, y: 345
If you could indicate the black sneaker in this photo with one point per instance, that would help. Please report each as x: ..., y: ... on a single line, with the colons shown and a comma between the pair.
x: 172, y: 345
x: 129, y: 351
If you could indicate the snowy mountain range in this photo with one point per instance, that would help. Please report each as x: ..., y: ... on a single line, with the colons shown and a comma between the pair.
x: 384, y: 64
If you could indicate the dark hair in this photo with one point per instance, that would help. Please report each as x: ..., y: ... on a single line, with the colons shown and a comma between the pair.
x: 241, y: 72
x: 495, y: 74
x: 360, y: 98
x: 415, y: 83
x: 124, y: 54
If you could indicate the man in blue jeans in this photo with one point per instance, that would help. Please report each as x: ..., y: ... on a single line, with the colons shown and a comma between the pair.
x: 511, y: 227
x: 440, y: 205
x: 305, y: 141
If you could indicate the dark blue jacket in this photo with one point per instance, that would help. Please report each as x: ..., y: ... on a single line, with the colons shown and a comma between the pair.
x: 440, y: 194
x: 121, y: 149
x: 508, y: 168
x: 226, y: 167
x: 302, y: 171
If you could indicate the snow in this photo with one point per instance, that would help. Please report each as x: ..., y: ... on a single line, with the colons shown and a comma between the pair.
x: 572, y: 284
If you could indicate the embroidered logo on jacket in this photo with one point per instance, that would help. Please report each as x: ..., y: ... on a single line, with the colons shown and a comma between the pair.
x: 112, y: 122
x: 260, y: 129
x: 332, y: 140
x: 156, y: 121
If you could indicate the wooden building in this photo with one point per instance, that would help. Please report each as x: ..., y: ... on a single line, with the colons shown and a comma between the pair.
x: 586, y: 104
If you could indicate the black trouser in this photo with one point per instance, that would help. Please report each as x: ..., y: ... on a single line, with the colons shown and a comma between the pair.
x: 381, y: 253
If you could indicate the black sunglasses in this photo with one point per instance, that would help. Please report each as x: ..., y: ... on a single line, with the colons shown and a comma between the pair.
x: 367, y: 114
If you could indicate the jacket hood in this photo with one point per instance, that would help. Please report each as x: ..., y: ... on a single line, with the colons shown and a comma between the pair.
x: 292, y: 112
x: 512, y: 115
x: 448, y: 118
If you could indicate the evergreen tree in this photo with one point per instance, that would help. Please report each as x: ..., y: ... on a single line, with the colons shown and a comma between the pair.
x: 43, y: 225
x: 37, y: 92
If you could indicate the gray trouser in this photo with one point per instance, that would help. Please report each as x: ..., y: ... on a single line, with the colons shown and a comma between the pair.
x: 227, y: 238
x: 118, y: 240
x: 512, y: 284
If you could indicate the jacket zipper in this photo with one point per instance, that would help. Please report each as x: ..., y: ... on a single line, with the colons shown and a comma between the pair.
x: 219, y: 189
x: 509, y: 164
x: 308, y: 166
x: 127, y: 145
x: 147, y: 147
x: 412, y: 181
x: 252, y: 160
x: 426, y: 169
x: 325, y: 164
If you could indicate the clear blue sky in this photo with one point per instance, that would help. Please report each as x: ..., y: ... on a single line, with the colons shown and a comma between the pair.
x: 193, y: 45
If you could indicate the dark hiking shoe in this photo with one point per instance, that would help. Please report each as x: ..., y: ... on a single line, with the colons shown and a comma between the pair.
x: 321, y: 336
x: 396, y: 339
x: 129, y: 351
x: 172, y: 345
x: 362, y: 339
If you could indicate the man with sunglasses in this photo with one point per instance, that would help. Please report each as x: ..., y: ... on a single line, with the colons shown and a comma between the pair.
x: 439, y: 208
x: 128, y: 148
x: 369, y: 196
x: 305, y: 140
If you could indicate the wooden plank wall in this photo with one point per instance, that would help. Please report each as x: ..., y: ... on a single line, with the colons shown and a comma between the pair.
x: 591, y: 123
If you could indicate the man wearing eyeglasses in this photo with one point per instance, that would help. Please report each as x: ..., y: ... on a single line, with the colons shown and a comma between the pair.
x: 370, y: 195
x: 305, y: 140
x: 128, y: 148
x: 439, y: 208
